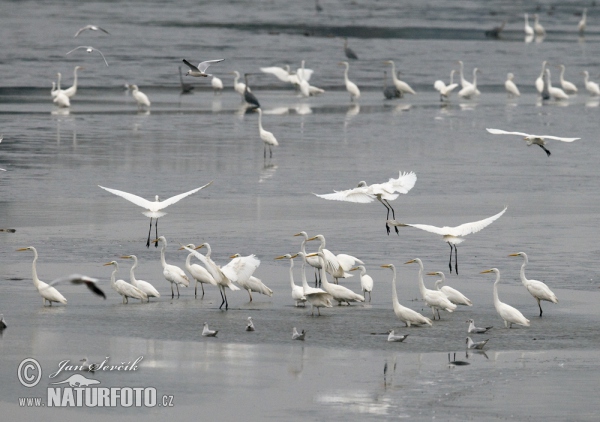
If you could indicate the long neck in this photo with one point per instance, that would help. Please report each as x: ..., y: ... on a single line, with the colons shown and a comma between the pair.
x: 462, y: 76
x: 303, y: 246
x: 438, y: 284
x: 75, y: 77
x: 36, y: 280
x: 496, y: 299
x: 543, y: 70
x: 58, y: 82
x: 562, y: 74
x: 586, y: 78
x: 112, y: 276
x: 292, y: 273
x: 208, y: 250
x: 131, y: 271
x: 475, y: 78
x: 260, y: 120
x: 523, y: 279
x: 304, y: 282
x: 549, y: 81
x: 451, y: 77
x: 394, y: 77
x: 162, y: 254
x: 346, y: 74
x: 421, y: 283
x: 395, y: 301
x: 323, y: 272
x: 187, y: 262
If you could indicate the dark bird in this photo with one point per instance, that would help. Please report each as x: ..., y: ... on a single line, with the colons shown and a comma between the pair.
x: 495, y: 31
x: 348, y: 51
x: 91, y: 283
x: 390, y: 92
x: 249, y: 96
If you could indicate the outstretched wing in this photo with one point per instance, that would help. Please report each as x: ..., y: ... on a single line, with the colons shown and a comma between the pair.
x: 359, y: 195
x: 137, y: 200
x: 191, y: 66
x: 176, y: 198
x: 503, y: 132
x: 281, y: 74
x: 80, y: 279
x: 305, y: 74
x: 241, y: 269
x: 558, y: 138
x: 405, y: 182
x: 204, y: 65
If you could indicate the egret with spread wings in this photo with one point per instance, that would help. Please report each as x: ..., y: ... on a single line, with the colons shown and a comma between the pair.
x: 539, y: 140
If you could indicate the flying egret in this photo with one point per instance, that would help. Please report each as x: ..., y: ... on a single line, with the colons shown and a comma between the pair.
x: 511, y: 87
x: 250, y: 283
x: 400, y: 85
x: 537, y: 289
x: 283, y: 74
x: 556, y: 93
x: 125, y: 289
x: 91, y: 28
x: 89, y: 282
x: 250, y: 325
x: 69, y: 92
x: 435, y: 299
x: 144, y: 286
x: 296, y: 335
x: 476, y: 330
x: 472, y: 90
x: 267, y: 137
x: 383, y: 192
x: 141, y: 98
x: 454, y: 235
x: 537, y: 27
x: 89, y: 49
x: 393, y: 337
x: 406, y: 315
x: 199, y: 273
x: 200, y: 70
x: 337, y: 265
x: 366, y: 281
x: 444, y: 89
x: 567, y: 86
x: 217, y: 85
x: 297, y: 291
x: 207, y: 332
x: 339, y: 293
x: 350, y: 86
x: 390, y: 92
x: 581, y: 24
x: 47, y: 292
x: 185, y: 88
x: 348, y: 51
x: 539, y: 140
x: 592, y: 87
x: 318, y: 298
x: 539, y: 82
x: 509, y: 314
x: 174, y: 275
x: 453, y: 295
x: 154, y: 208
x: 528, y: 28
x: 479, y: 345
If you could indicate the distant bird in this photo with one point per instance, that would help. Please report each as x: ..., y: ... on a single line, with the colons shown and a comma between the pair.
x: 62, y: 100
x: 567, y: 86
x: 479, y: 345
x: 476, y: 330
x: 3, y: 324
x: 89, y: 49
x: 555, y: 93
x: 366, y: 281
x: 200, y: 70
x: 400, y: 85
x: 199, y: 273
x: 144, y: 286
x: 470, y: 91
x: 455, y: 362
x: 463, y: 82
x: 435, y: 299
x: 539, y: 140
x: 250, y: 325
x: 8, y: 230
x: 511, y: 87
x: 592, y: 87
x: 69, y: 92
x: 394, y: 337
x: 91, y: 28
x: 267, y: 137
x: 172, y: 273
x: 404, y: 314
x: 383, y: 192
x: 249, y: 97
x: 297, y: 291
x: 185, y: 88
x: 141, y: 98
x: 454, y: 235
x: 495, y: 31
x: 153, y: 208
x: 348, y: 51
x: 350, y: 86
x: 89, y: 282
x: 528, y: 28
x: 581, y: 25
x: 217, y: 85
x: 509, y: 314
x: 239, y: 87
x: 537, y: 289
x: 318, y: 8
x: 444, y: 89
x: 85, y: 366
x: 47, y: 292
x: 389, y: 92
x: 453, y: 295
x: 539, y: 82
x: 296, y: 335
x: 206, y: 332
x: 123, y: 288
x: 537, y: 27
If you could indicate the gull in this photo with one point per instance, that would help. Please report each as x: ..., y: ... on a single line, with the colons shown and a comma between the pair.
x: 393, y: 337
x: 89, y: 49
x: 250, y: 326
x: 537, y: 289
x: 454, y: 235
x: 90, y: 283
x: 476, y: 330
x: 296, y: 335
x: 200, y: 70
x: 453, y: 295
x: 154, y: 208
x: 85, y: 366
x: 91, y: 28
x: 539, y: 140
x: 476, y: 345
x: 3, y: 325
x: 206, y: 332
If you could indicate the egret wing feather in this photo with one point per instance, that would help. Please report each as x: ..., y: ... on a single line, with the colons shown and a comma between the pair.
x: 176, y: 198
x: 359, y: 195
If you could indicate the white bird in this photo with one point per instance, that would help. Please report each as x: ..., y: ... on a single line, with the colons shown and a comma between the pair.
x: 239, y: 87
x: 509, y: 314
x: 537, y: 289
x: 567, y: 86
x: 454, y: 235
x: 472, y: 90
x: 463, y: 82
x: 144, y: 286
x: 283, y: 74
x: 174, y: 275
x: 393, y: 337
x: 539, y: 140
x: 250, y: 325
x: 303, y: 83
x: 528, y: 28
x: 91, y: 28
x: 350, y: 86
x: 85, y: 366
x: 153, y: 208
x: 556, y: 93
x: 400, y: 85
x: 476, y: 330
x: 69, y: 92
x: 56, y: 86
x: 90, y: 282
x: 511, y: 87
x: 141, y: 98
x: 383, y: 192
x: 406, y: 315
x: 453, y: 295
x: 206, y: 332
x: 312, y: 261
x: 592, y: 87
x: 337, y: 265
x: 444, y: 89
x: 199, y: 273
x: 267, y: 137
x: 581, y: 24
x: 47, y: 292
x: 123, y: 288
x: 537, y: 27
x: 297, y: 291
x: 217, y: 85
x: 62, y: 100
x: 296, y: 335
x: 366, y: 281
x: 435, y: 299
x: 539, y: 82
x: 89, y: 49
x: 200, y: 70
x: 339, y: 293
x: 318, y: 298
x: 476, y: 345
x: 250, y: 283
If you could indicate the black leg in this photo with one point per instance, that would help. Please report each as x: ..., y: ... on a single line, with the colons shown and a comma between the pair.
x: 222, y: 298
x: 270, y: 152
x: 202, y: 285
x: 156, y: 244
x: 172, y: 292
x: 455, y: 260
x: 393, y: 215
x: 149, y: 231
x: 177, y: 287
x: 225, y: 295
x: 265, y: 151
x: 196, y: 289
x: 540, y: 305
x: 450, y: 263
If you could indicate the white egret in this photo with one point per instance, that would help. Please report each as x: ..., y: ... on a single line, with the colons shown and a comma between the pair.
x: 56, y: 86
x: 539, y: 140
x: 435, y: 299
x: 200, y: 70
x: 567, y: 86
x: 339, y: 293
x: 91, y: 28
x: 185, y: 88
x: 592, y: 87
x: 509, y: 314
x: 303, y: 83
x: 144, y: 286
x: 390, y: 92
x: 537, y: 289
x: 581, y: 24
x: 296, y: 335
x: 383, y: 192
x: 393, y: 337
x: 199, y: 273
x: 318, y: 298
x: 452, y: 294
x: 297, y: 291
x: 366, y: 281
x: 406, y: 315
x: 511, y: 87
x: 348, y: 51
x: 463, y: 82
x: 528, y: 28
x: 62, y: 100
x: 141, y: 98
x: 337, y: 265
x: 69, y: 92
x: 250, y: 283
x: 154, y: 208
x: 207, y: 332
x: 123, y: 288
x: 539, y: 82
x: 267, y: 137
x: 479, y: 345
x: 280, y: 73
x: 174, y: 275
x: 90, y: 282
x: 537, y: 27
x: 312, y: 261
x: 250, y: 325
x: 89, y: 49
x: 454, y: 235
x: 472, y: 90
x: 47, y: 292
x: 444, y: 89
x: 217, y: 85
x: 476, y: 330
x: 400, y: 85
x: 350, y: 86
x: 556, y: 93
x: 239, y: 87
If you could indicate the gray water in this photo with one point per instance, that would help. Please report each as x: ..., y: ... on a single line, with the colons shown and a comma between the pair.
x: 55, y: 159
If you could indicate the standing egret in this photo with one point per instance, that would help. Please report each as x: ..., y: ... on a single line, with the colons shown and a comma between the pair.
x: 154, y: 208
x: 366, y: 281
x: 435, y: 299
x: 313, y: 261
x: 528, y: 28
x: 390, y: 92
x: 207, y: 332
x: 185, y: 88
x: 91, y: 28
x: 463, y: 82
x: 537, y: 289
x: 444, y: 89
x: 141, y: 98
x: 199, y: 273
x: 200, y: 70
x: 511, y: 87
x: 454, y: 235
x: 56, y: 86
x: 69, y: 92
x: 267, y: 137
x: 348, y: 51
x: 318, y: 298
x: 62, y: 100
x: 479, y: 345
x: 567, y: 86
x: 581, y: 24
x: 476, y: 330
x: 337, y: 265
x: 400, y: 85
x: 297, y: 291
x: 339, y: 293
x: 123, y: 288
x: 217, y: 85
x: 539, y: 140
x: 453, y: 295
x: 350, y: 86
x: 472, y: 90
x: 47, y: 292
x: 509, y: 314
x: 383, y: 192
x: 174, y: 275
x: 406, y: 315
x: 539, y: 82
x: 144, y: 286
x: 249, y: 282
x: 537, y: 27
x: 592, y: 87
x: 249, y: 97
x: 89, y: 49
x: 238, y: 87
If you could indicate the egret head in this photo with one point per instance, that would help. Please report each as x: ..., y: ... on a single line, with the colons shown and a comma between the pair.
x: 319, y: 237
x: 302, y: 234
x: 438, y: 273
x: 201, y: 246
x: 491, y: 270
x: 111, y: 263
x: 128, y: 257
x: 237, y: 255
x: 286, y: 256
x: 28, y: 248
x: 388, y: 266
x: 189, y: 245
x: 412, y: 261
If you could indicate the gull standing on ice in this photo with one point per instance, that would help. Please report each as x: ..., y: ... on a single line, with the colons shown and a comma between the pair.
x: 296, y: 335
x: 200, y: 70
x: 89, y: 49
x: 206, y: 332
x: 539, y: 140
x: 394, y: 337
x: 476, y: 330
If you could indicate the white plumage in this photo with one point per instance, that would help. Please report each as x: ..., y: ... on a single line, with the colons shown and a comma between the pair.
x: 406, y: 315
x: 340, y: 293
x: 366, y: 281
x: 144, y: 286
x: 350, y: 86
x: 47, y: 292
x: 556, y: 93
x: 141, y: 98
x: 509, y: 314
x: 435, y: 299
x: 125, y: 289
x: 567, y: 86
x: 591, y: 87
x: 537, y: 289
x: 239, y: 269
x: 199, y: 273
x: 297, y: 291
x: 267, y: 137
x: 539, y: 82
x: 539, y: 140
x: 400, y: 85
x: 444, y: 89
x: 174, y: 275
x: 528, y: 28
x: 510, y: 86
x: 470, y: 91
x: 452, y: 294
